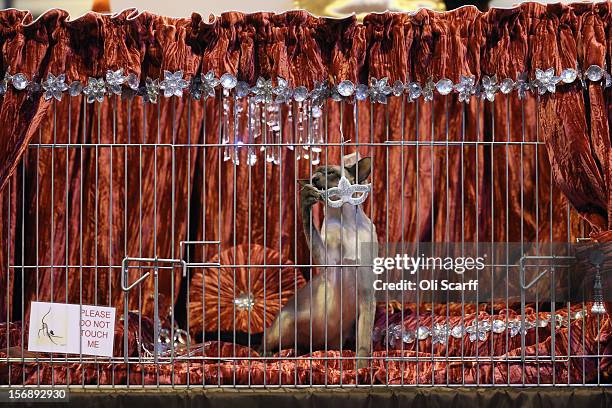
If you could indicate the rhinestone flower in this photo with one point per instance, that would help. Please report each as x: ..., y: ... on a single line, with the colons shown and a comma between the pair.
x: 395, y: 333
x: 414, y: 90
x: 379, y: 90
x: 489, y: 87
x: 465, y: 88
x: 607, y: 80
x: 283, y: 92
x: 228, y: 81
x: 208, y: 83
x: 514, y: 326
x: 440, y: 333
x: 444, y: 86
x: 173, y: 84
x: 263, y: 90
x: 523, y: 86
x: 114, y: 80
x: 20, y: 82
x: 54, y: 86
x: 4, y: 82
x: 428, y: 90
x: 152, y: 90
x: 95, y: 90
x: 319, y: 93
x: 546, y: 80
x: 478, y: 330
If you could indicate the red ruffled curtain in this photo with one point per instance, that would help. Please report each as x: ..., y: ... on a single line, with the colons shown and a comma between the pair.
x: 303, y: 49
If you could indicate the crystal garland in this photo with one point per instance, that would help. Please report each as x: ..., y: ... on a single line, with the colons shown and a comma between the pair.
x: 264, y: 102
x: 476, y: 330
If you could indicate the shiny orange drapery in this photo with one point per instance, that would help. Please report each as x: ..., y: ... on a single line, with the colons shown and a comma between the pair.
x: 573, y: 122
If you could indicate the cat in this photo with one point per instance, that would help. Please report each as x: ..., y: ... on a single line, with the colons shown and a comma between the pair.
x: 324, y: 312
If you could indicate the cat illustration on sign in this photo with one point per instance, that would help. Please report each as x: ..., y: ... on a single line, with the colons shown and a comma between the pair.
x: 48, y: 332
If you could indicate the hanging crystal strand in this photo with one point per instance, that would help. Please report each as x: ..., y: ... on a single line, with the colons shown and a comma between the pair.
x: 299, y: 130
x: 237, y: 142
x: 268, y: 131
x: 290, y: 123
x: 300, y: 95
x: 251, y: 154
x: 225, y: 140
x: 276, y: 133
x: 316, y: 134
x: 307, y: 131
x: 317, y: 137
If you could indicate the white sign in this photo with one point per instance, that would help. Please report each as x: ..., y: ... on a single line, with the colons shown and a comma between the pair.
x: 57, y: 328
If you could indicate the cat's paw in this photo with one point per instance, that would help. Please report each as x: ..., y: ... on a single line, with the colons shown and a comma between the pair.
x: 309, y: 195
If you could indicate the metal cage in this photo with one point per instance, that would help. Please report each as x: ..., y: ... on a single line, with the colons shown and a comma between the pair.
x: 188, y: 211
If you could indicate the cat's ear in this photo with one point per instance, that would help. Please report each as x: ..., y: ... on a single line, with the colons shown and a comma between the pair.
x: 360, y: 170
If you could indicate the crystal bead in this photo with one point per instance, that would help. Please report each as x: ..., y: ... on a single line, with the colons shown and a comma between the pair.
x: 414, y: 90
x: 422, y: 333
x: 251, y: 158
x: 300, y: 94
x: 361, y: 92
x: 579, y: 314
x: 515, y: 327
x: 408, y: 336
x: 569, y: 75
x: 529, y: 324
x: 542, y: 323
x: 444, y: 86
x: 316, y: 112
x: 594, y: 73
x: 506, y: 86
x: 228, y: 81
x: 20, y: 82
x: 346, y: 88
x: 498, y: 326
x: 132, y: 81
x: 242, y: 89
x: 244, y: 301
x: 457, y: 331
x: 398, y: 88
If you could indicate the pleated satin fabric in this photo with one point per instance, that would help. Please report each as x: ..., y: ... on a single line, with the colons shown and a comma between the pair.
x: 104, y: 204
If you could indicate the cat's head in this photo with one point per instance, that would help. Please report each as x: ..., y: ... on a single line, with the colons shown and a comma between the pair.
x: 325, y: 177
